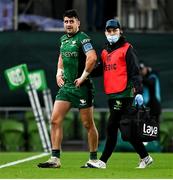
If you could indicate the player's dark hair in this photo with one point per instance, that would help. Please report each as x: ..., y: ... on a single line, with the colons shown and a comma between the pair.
x: 71, y: 13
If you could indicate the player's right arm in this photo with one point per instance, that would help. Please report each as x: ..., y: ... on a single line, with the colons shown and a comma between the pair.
x: 59, y: 75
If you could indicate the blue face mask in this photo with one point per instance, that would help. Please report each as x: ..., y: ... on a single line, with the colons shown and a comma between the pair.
x: 112, y: 39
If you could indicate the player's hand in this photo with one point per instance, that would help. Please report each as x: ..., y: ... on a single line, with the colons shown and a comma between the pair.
x: 78, y: 82
x: 139, y: 100
x: 59, y: 80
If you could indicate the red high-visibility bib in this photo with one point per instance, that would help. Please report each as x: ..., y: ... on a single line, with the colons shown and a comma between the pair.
x: 115, y: 70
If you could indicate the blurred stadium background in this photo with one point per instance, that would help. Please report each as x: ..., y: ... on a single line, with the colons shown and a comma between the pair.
x: 29, y: 34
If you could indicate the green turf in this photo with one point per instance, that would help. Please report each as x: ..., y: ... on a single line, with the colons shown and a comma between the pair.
x: 121, y: 165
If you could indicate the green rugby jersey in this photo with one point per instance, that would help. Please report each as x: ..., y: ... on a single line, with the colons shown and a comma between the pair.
x: 73, y: 51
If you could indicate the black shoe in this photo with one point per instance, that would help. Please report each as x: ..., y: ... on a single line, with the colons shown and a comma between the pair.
x: 53, y: 162
x: 84, y: 166
x: 88, y: 165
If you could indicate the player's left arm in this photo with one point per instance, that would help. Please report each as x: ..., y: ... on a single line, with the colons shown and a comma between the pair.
x: 91, y: 59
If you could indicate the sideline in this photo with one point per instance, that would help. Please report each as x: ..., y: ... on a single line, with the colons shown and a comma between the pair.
x: 89, y: 179
x: 23, y: 160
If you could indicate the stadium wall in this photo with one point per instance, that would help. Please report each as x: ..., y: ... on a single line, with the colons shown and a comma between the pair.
x: 39, y: 50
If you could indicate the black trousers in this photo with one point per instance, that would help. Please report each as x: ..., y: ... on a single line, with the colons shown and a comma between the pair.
x: 119, y: 107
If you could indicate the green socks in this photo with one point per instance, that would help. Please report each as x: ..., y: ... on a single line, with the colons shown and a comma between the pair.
x: 56, y: 153
x: 93, y: 155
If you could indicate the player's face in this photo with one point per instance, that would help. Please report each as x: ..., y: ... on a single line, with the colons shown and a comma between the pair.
x: 71, y: 25
x: 112, y: 31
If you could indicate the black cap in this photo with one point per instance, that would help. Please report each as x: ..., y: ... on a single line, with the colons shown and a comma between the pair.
x: 112, y: 23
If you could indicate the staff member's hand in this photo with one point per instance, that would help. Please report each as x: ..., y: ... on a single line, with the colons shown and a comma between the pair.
x: 139, y: 100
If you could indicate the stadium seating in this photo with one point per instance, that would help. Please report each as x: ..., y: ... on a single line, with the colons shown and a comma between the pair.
x: 166, y: 133
x: 68, y: 126
x: 33, y: 138
x: 12, y: 135
x: 34, y: 141
x: 0, y: 138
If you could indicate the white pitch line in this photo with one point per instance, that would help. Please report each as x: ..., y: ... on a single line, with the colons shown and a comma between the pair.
x: 23, y: 160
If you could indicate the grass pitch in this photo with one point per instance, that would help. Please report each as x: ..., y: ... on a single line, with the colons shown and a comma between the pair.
x: 120, y: 165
